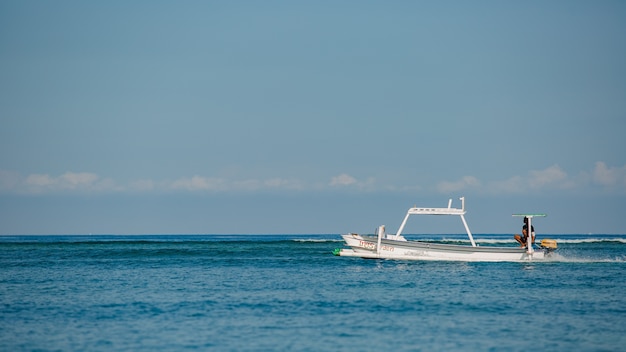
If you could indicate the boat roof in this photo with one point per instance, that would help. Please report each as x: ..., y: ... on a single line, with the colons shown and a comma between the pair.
x: 436, y: 211
x: 439, y: 211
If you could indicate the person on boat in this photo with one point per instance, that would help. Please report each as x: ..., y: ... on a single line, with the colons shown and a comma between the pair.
x: 524, y: 237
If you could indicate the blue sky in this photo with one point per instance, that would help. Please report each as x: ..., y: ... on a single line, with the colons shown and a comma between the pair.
x: 310, y: 116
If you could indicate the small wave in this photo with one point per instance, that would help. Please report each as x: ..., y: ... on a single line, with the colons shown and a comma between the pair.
x: 494, y: 241
x: 317, y: 240
x: 592, y: 240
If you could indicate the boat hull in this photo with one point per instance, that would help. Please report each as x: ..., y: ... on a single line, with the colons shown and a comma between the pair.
x: 366, y: 247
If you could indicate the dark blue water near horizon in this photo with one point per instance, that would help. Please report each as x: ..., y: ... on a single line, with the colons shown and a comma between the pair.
x: 289, y: 293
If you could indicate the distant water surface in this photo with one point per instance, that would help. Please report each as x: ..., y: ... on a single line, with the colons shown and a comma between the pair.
x: 289, y: 293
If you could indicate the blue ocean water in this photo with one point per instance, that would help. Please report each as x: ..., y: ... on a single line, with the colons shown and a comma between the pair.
x: 289, y: 293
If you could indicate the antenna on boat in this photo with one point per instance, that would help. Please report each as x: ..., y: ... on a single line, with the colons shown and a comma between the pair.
x: 462, y: 203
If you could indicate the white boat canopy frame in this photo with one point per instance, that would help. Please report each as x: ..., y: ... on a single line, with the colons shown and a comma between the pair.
x: 439, y: 211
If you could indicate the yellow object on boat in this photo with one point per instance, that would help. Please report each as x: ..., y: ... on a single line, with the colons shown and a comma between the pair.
x: 548, y: 243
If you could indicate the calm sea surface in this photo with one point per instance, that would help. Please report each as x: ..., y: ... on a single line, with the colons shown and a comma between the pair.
x: 289, y: 293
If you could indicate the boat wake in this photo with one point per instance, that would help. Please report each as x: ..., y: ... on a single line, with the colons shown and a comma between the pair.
x: 587, y: 259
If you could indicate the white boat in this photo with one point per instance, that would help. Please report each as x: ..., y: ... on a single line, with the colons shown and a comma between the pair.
x: 387, y: 246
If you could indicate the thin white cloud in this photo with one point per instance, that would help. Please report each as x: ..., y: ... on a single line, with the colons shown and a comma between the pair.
x: 550, y: 178
x: 345, y: 180
x: 281, y: 183
x: 39, y: 180
x: 609, y: 176
x: 342, y: 180
x: 555, y: 178
x: 515, y: 184
x: 209, y: 184
x: 73, y: 180
x: 199, y: 183
x: 465, y: 183
x: 44, y: 183
x: 143, y: 185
